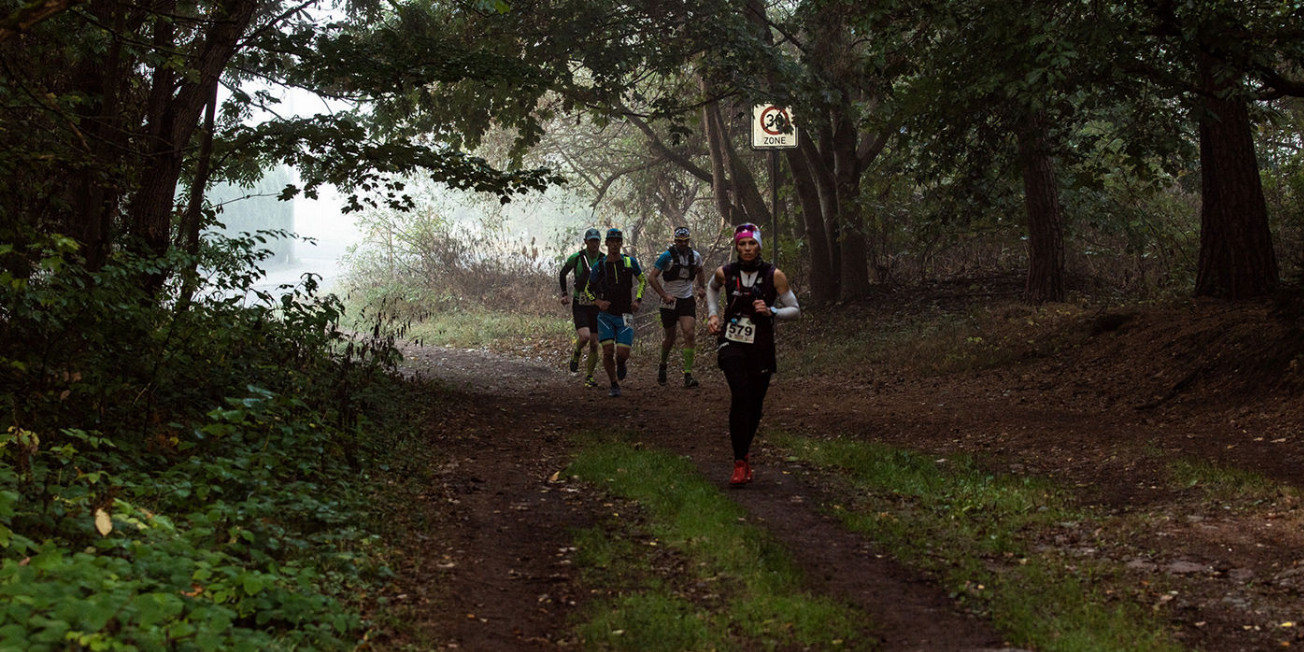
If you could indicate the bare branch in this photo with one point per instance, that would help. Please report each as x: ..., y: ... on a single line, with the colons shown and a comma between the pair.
x: 661, y: 148
x: 27, y: 17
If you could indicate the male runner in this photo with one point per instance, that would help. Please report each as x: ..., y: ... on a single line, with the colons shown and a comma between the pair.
x: 681, y: 266
x: 583, y: 312
x: 613, y: 289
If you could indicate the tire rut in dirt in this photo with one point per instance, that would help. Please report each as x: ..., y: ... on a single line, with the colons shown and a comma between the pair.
x: 508, y: 571
x: 908, y: 612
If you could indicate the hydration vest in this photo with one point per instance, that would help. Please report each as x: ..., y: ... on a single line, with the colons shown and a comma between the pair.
x: 614, y: 289
x: 738, y: 298
x: 738, y: 304
x: 582, y: 267
x: 676, y: 268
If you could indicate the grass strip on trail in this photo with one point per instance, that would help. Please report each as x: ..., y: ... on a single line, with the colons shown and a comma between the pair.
x: 681, y: 569
x: 976, y: 532
x: 1226, y: 485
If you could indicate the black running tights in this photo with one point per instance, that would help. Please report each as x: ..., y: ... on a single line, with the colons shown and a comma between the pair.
x: 747, y: 389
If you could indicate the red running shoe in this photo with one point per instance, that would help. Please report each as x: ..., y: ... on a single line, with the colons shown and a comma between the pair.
x: 742, y: 473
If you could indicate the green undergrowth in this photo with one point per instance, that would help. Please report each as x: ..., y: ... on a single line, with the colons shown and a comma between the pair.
x: 183, y: 470
x: 678, y: 567
x: 977, y: 532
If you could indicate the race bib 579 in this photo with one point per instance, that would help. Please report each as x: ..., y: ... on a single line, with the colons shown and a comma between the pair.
x: 741, y: 330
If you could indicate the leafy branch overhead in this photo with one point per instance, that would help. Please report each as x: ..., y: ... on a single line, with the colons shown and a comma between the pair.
x: 388, y: 66
x: 337, y: 150
x: 112, y: 109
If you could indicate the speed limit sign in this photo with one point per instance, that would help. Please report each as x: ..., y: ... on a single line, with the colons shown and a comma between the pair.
x: 772, y: 127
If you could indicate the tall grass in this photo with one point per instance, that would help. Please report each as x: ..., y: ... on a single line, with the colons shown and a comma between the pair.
x: 452, y: 284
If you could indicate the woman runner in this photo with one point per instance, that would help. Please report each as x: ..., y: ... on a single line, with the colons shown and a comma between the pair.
x: 755, y: 295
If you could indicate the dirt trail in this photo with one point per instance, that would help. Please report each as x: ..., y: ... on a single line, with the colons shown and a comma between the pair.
x: 506, y: 564
x: 1105, y: 419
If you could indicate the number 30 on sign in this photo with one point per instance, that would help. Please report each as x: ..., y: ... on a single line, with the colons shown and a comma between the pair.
x: 772, y: 127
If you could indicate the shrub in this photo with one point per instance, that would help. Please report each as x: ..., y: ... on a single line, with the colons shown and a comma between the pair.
x: 176, y: 467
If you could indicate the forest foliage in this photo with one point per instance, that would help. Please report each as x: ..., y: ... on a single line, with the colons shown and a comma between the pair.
x: 182, y: 476
x: 1072, y: 143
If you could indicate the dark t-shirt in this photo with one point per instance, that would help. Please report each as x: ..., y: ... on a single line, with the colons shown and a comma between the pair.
x: 614, y: 281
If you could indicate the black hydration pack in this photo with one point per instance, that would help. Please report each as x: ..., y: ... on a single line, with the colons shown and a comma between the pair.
x: 674, y: 271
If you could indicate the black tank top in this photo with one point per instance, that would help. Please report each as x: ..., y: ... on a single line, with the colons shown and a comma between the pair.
x: 738, y: 298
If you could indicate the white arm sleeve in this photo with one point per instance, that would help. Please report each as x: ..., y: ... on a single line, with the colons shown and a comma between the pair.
x: 785, y: 307
x: 713, y: 296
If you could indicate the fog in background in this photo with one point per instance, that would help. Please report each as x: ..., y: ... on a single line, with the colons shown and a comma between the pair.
x: 246, y: 210
x: 551, y: 222
x: 333, y: 232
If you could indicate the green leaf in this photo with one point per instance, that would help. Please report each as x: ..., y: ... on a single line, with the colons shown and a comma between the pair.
x: 181, y: 629
x: 253, y: 583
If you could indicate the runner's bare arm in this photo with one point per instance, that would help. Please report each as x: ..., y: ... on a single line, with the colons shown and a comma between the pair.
x: 713, y: 301
x: 654, y: 281
x: 785, y: 306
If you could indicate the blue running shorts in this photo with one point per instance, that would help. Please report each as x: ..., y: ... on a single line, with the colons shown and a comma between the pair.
x: 613, y: 327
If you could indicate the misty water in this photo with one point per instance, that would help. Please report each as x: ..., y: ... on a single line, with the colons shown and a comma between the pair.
x: 323, y: 259
x: 325, y: 234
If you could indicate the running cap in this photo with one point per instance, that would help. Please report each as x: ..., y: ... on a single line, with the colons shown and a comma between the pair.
x: 615, y: 234
x: 592, y: 234
x: 747, y: 230
x: 681, y: 233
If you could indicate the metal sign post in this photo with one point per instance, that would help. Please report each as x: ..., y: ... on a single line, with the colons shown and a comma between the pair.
x: 774, y: 204
x: 772, y: 129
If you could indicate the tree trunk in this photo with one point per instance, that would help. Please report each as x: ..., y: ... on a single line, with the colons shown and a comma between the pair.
x: 855, y: 250
x: 103, y: 80
x: 713, y: 128
x: 150, y: 209
x: 736, y: 195
x: 747, y: 192
x: 823, y: 280
x: 821, y: 170
x: 1045, y: 280
x: 1237, y: 259
x: 172, y: 118
x: 192, y: 220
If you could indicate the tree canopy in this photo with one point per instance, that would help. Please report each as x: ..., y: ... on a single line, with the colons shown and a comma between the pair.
x: 923, y: 124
